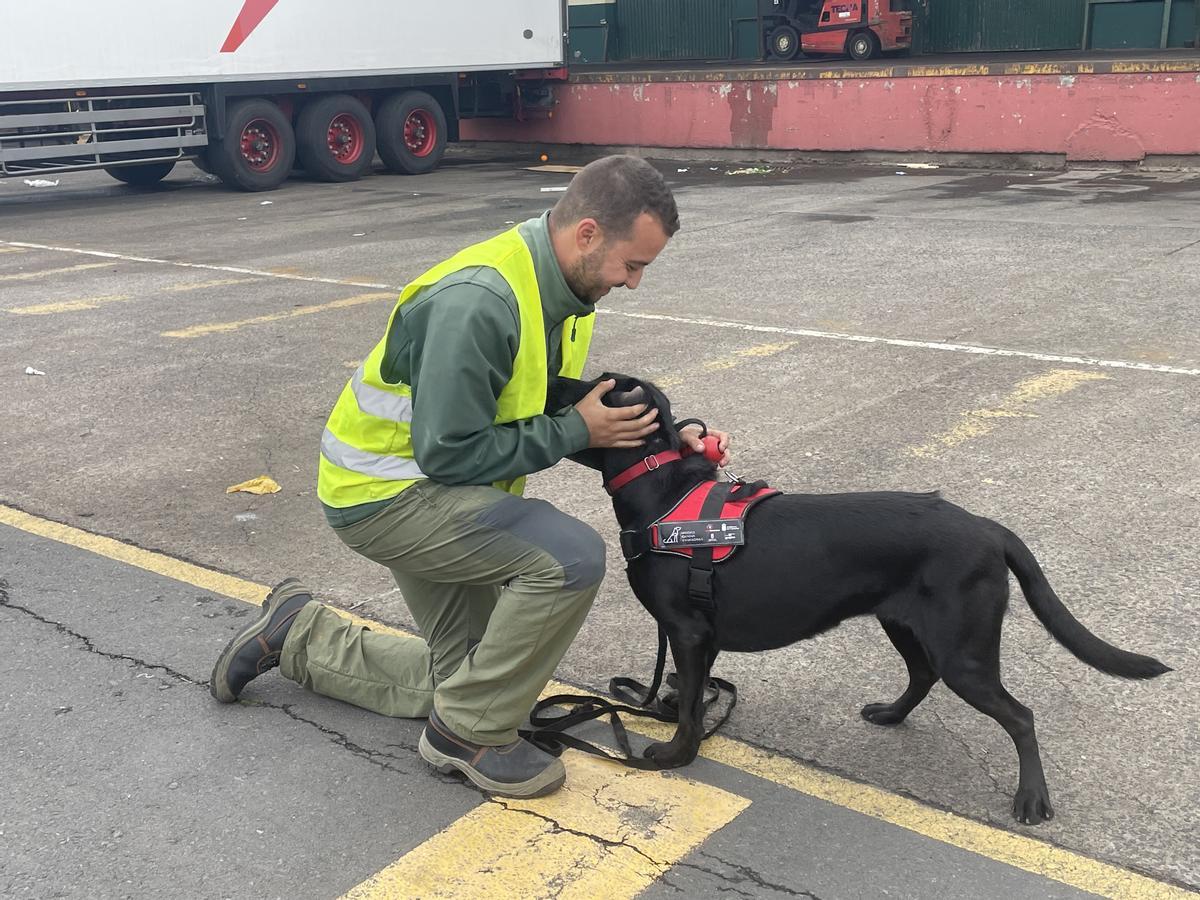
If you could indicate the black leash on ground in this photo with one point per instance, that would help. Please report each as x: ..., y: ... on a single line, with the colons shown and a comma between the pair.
x: 549, y: 730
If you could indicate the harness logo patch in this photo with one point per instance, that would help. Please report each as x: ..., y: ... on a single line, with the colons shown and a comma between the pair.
x: 701, y: 533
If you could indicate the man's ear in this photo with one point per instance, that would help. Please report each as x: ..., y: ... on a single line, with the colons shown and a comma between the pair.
x: 588, y: 235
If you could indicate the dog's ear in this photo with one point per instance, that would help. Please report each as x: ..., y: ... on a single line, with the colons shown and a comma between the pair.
x: 627, y: 391
x: 630, y: 396
x: 666, y: 430
x: 563, y: 392
x: 593, y: 458
x: 633, y: 391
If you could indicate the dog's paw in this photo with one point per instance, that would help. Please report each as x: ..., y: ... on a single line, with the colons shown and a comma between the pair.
x: 1031, y: 806
x: 882, y: 714
x: 667, y: 755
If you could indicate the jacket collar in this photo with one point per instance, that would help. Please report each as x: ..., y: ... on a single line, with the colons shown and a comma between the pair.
x: 559, y: 302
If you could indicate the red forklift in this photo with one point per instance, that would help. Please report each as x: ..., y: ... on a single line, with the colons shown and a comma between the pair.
x: 860, y: 29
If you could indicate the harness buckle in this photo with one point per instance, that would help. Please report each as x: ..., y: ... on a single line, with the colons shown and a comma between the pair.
x: 652, y: 459
x: 633, y: 544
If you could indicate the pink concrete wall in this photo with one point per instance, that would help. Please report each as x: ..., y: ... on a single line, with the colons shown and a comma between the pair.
x: 1087, y: 117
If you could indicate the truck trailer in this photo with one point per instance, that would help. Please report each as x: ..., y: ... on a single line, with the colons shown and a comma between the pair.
x: 248, y: 89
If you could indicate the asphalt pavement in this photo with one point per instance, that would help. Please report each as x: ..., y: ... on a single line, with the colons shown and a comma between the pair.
x: 1027, y: 343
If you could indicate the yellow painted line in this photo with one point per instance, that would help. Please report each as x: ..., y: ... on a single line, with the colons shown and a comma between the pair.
x: 12, y: 249
x: 1016, y: 850
x: 26, y: 276
x: 222, y: 327
x: 850, y: 74
x: 728, y: 362
x: 46, y: 309
x: 978, y: 422
x: 645, y: 822
x: 1045, y: 68
x: 202, y: 285
x: 158, y: 563
x: 1147, y: 68
x: 947, y: 71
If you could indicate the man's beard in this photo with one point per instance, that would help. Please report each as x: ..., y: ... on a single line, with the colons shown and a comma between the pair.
x: 584, y: 278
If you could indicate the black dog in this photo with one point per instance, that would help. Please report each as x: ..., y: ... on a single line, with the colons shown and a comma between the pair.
x: 935, y: 575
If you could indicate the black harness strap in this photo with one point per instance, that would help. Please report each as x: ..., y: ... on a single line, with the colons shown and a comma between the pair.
x: 548, y: 731
x: 700, y: 570
x: 630, y: 691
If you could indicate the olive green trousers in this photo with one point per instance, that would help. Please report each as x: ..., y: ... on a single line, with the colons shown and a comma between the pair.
x: 498, y: 586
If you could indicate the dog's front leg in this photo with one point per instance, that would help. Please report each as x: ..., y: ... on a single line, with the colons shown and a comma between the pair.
x: 693, y: 650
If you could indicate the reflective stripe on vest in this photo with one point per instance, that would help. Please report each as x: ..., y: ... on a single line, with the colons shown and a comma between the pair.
x: 366, y: 451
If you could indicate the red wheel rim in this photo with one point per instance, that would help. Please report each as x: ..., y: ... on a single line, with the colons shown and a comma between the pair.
x: 420, y: 132
x: 345, y: 138
x: 260, y: 145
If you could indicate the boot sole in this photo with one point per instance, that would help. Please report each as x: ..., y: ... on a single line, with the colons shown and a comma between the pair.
x: 218, y: 683
x: 545, y: 782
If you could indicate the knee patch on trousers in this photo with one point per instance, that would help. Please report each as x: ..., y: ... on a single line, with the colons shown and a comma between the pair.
x: 574, y: 545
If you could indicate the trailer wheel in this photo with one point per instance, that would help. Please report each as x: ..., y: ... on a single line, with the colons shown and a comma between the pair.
x: 784, y: 42
x: 412, y: 132
x: 862, y: 45
x: 335, y: 138
x: 143, y: 175
x: 258, y: 149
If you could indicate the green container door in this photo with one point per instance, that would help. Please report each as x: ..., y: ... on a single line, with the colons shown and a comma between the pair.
x: 679, y: 29
x: 1184, y: 28
x: 1141, y: 24
x: 591, y: 28
x: 968, y: 26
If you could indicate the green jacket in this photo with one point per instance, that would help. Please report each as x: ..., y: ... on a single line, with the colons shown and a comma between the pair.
x: 457, y: 354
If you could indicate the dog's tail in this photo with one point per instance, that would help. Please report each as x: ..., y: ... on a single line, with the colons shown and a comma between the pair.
x: 1065, y: 628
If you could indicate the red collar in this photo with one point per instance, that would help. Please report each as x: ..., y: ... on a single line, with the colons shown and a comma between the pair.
x: 649, y: 464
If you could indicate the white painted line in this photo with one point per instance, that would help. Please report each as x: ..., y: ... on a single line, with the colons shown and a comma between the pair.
x: 901, y: 342
x: 681, y: 320
x: 237, y: 270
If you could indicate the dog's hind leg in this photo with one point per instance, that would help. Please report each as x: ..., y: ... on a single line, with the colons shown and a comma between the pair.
x: 921, y: 677
x: 978, y: 682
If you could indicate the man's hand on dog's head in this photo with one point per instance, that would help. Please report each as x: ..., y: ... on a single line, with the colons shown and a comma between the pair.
x: 615, y: 426
x: 691, y: 436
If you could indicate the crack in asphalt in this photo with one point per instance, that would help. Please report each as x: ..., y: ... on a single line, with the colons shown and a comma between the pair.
x: 748, y: 874
x: 336, y: 737
x: 967, y: 751
x: 342, y: 740
x: 743, y: 874
x: 88, y: 646
x: 558, y: 827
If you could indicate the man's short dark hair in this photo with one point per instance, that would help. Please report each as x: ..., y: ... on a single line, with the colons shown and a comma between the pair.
x: 615, y: 190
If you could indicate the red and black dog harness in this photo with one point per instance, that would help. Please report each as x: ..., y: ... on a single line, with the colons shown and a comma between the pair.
x: 706, y: 525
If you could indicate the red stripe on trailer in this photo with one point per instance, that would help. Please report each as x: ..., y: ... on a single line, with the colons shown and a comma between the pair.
x: 252, y: 14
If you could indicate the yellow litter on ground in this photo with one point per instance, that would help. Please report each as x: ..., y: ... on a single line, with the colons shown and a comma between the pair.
x: 263, y: 484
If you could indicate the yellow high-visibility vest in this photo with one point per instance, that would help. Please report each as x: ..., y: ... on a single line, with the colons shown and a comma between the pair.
x: 367, y: 452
